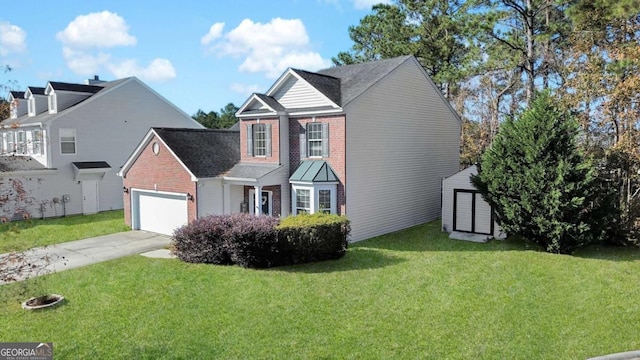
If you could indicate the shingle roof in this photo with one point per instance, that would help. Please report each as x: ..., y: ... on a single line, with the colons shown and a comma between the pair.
x: 17, y: 94
x: 19, y: 163
x: 269, y: 100
x: 314, y: 171
x: 92, y: 165
x: 326, y: 84
x: 356, y: 79
x: 251, y: 171
x: 45, y: 116
x: 62, y: 86
x: 36, y: 90
x: 205, y: 152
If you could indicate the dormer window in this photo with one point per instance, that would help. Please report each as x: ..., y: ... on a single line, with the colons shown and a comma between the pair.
x: 53, y: 103
x: 14, y: 109
x: 31, y: 106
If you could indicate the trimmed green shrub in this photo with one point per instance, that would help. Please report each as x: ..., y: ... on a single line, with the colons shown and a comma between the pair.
x: 317, y: 237
x: 204, y: 240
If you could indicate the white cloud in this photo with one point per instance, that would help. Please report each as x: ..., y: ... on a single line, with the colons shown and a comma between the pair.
x: 97, y: 30
x: 158, y: 70
x: 87, y: 33
x: 83, y: 63
x: 269, y: 48
x: 214, y: 33
x: 244, y: 89
x: 12, y: 39
x: 367, y: 4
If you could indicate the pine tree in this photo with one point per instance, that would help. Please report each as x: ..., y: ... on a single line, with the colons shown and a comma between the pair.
x: 537, y: 180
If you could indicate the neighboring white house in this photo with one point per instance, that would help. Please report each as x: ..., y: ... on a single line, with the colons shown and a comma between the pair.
x: 464, y: 210
x: 63, y: 144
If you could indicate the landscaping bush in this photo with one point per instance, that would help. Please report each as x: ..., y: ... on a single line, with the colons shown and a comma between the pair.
x: 259, y: 242
x: 205, y: 240
x: 308, y: 238
x: 253, y: 241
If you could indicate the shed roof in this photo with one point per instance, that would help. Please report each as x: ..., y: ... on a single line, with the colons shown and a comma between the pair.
x: 314, y: 171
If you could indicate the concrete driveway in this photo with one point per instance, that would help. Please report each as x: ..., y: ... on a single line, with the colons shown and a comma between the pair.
x: 84, y: 252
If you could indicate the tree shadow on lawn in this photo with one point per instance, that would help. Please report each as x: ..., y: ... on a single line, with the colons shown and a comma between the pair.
x: 355, y: 259
x: 608, y: 253
x: 429, y: 237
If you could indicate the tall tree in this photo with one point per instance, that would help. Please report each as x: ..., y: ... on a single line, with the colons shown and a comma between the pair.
x: 213, y: 120
x: 538, y: 181
x: 603, y: 87
x: 5, y: 87
x: 437, y: 32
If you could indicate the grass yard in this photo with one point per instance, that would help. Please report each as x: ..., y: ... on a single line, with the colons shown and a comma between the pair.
x: 412, y: 294
x: 23, y: 235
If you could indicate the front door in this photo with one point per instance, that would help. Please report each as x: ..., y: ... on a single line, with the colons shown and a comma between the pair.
x: 266, y: 200
x: 89, y: 196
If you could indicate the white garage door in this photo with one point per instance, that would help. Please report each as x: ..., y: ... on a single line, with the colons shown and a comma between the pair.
x: 160, y: 213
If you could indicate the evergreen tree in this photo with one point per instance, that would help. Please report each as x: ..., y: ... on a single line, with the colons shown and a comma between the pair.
x: 537, y: 180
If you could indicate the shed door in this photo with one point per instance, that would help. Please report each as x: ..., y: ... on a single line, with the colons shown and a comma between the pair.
x: 160, y: 213
x: 471, y: 213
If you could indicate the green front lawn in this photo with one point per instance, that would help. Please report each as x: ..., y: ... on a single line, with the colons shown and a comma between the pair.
x: 412, y: 294
x: 22, y: 235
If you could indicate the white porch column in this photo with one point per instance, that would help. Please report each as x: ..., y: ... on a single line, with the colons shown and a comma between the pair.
x: 257, y: 200
x: 226, y: 198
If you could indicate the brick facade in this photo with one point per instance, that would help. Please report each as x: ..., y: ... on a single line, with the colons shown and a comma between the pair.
x: 337, y: 146
x: 160, y: 172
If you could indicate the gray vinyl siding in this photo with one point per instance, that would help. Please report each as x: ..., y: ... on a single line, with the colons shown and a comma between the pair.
x: 402, y: 140
x: 296, y: 94
x: 65, y: 100
x: 108, y: 128
x: 210, y: 198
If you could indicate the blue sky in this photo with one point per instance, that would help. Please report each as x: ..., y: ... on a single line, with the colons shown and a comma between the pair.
x: 197, y: 54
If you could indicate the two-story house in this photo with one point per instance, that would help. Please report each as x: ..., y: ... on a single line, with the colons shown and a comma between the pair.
x: 63, y: 144
x: 371, y: 141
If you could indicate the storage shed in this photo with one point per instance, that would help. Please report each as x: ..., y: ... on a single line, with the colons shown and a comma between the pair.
x: 465, y: 214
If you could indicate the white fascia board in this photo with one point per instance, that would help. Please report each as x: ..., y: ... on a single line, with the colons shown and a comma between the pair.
x: 291, y: 72
x: 319, y: 112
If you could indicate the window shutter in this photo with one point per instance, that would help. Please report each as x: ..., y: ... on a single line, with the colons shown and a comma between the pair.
x: 267, y: 139
x: 303, y: 142
x: 325, y: 140
x: 249, y: 140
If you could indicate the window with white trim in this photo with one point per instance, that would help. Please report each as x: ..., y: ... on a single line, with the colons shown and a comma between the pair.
x: 303, y: 201
x: 22, y: 143
x: 67, y: 141
x: 313, y: 198
x: 314, y: 137
x: 324, y: 201
x: 36, y: 142
x: 314, y: 140
x: 31, y: 106
x: 11, y: 142
x: 259, y: 139
x: 53, y: 103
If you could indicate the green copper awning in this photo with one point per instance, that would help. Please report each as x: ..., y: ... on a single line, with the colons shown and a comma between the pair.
x: 314, y: 171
